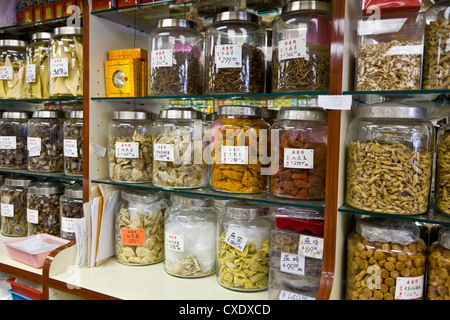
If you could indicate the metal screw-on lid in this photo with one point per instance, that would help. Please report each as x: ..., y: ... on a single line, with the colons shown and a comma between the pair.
x: 74, y: 191
x: 242, y: 209
x: 48, y: 114
x: 76, y: 114
x: 13, y: 43
x: 46, y: 187
x: 16, y: 115
x: 192, y: 201
x: 18, y: 181
x: 140, y: 195
x: 388, y: 230
x: 269, y: 113
x: 396, y: 110
x: 311, y: 114
x: 209, y: 117
x: 239, y: 111
x: 444, y: 237
x: 236, y: 16
x: 180, y: 113
x: 306, y: 6
x: 130, y: 115
x: 181, y: 23
x: 41, y: 36
x: 61, y: 31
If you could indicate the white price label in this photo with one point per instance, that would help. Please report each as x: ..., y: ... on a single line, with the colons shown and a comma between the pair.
x: 7, y: 210
x: 228, y: 56
x: 292, y: 48
x: 163, y: 152
x: 6, y: 73
x: 234, y: 155
x: 70, y: 148
x: 129, y: 150
x: 405, y: 50
x: 34, y: 146
x: 30, y: 73
x: 335, y: 102
x: 299, y: 158
x: 67, y: 224
x: 175, y: 242
x: 288, y: 295
x: 32, y: 216
x: 59, y: 67
x: 162, y: 58
x: 292, y: 263
x: 8, y: 142
x: 310, y: 246
x: 236, y: 239
x: 407, y: 288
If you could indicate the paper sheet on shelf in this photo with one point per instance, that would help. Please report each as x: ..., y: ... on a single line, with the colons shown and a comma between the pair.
x: 96, y: 220
x: 81, y: 228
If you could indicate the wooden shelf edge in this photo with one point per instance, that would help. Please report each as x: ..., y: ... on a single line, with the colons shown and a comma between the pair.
x: 77, y: 291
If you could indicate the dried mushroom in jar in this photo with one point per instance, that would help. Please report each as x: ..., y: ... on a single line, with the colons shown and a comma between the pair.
x: 442, y: 187
x: 13, y: 140
x: 73, y: 144
x: 71, y: 205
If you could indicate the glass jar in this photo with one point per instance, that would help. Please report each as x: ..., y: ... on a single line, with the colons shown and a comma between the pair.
x: 442, y: 182
x: 12, y: 69
x: 73, y: 144
x: 178, y: 149
x: 71, y: 207
x: 130, y: 146
x: 390, y: 159
x: 37, y: 70
x: 45, y: 141
x: 302, y: 154
x: 235, y: 54
x: 383, y: 256
x: 14, y: 206
x: 190, y: 236
x: 43, y: 207
x: 209, y: 8
x: 438, y: 285
x: 238, y: 140
x: 244, y: 241
x: 176, y: 51
x: 140, y: 227
x: 66, y: 62
x: 301, y: 47
x: 13, y: 140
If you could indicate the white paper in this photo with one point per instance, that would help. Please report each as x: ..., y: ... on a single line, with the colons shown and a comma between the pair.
x: 287, y: 295
x: 234, y: 155
x: 59, y: 67
x: 99, y: 150
x: 6, y: 73
x: 292, y: 263
x: 162, y: 58
x: 7, y: 210
x: 407, y: 288
x: 292, y: 48
x: 299, y: 158
x: 106, y: 240
x: 128, y: 150
x: 236, y: 239
x: 32, y: 216
x: 30, y: 73
x: 80, y: 230
x: 34, y: 146
x: 8, y: 142
x: 335, y: 102
x: 70, y: 148
x: 228, y: 56
x: 163, y: 152
x: 310, y: 246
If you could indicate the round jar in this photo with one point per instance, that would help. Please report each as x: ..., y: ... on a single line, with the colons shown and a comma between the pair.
x: 66, y: 62
x: 73, y: 144
x: 190, y: 237
x: 14, y: 206
x: 13, y: 140
x: 235, y: 54
x: 238, y: 154
x: 442, y: 181
x: 176, y: 58
x: 438, y: 284
x: 244, y: 240
x: 389, y: 159
x: 71, y: 206
x: 37, y: 70
x: 130, y: 146
x: 302, y: 154
x: 13, y: 65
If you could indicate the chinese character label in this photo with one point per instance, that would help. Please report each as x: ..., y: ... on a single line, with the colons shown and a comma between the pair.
x: 32, y: 216
x: 287, y: 295
x: 299, y: 158
x: 59, y: 67
x: 292, y: 263
x: 174, y: 242
x: 129, y: 150
x: 161, y: 58
x: 163, y: 152
x: 292, y: 48
x: 407, y: 288
x: 234, y: 155
x: 67, y: 224
x: 236, y: 239
x: 8, y: 142
x: 34, y: 146
x: 30, y: 73
x: 70, y: 148
x: 7, y: 210
x: 133, y: 237
x: 6, y: 73
x: 228, y: 56
x: 310, y: 246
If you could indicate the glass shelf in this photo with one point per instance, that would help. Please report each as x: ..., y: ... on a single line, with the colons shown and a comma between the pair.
x: 378, y: 96
x: 34, y: 102
x: 47, y: 175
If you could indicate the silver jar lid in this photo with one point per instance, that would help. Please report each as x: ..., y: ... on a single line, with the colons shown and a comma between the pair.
x: 394, y: 110
x: 140, y: 196
x: 74, y: 191
x: 48, y: 114
x: 444, y: 237
x: 388, y: 230
x: 306, y: 6
x: 243, y: 209
x: 66, y: 31
x: 180, y: 23
x: 236, y: 16
x: 41, y: 36
x: 192, y: 201
x: 209, y: 117
x: 310, y: 114
x: 130, y: 115
x: 16, y: 115
x: 13, y: 43
x: 239, y: 111
x: 76, y: 114
x: 18, y: 181
x: 180, y: 113
x: 46, y: 187
x: 269, y: 113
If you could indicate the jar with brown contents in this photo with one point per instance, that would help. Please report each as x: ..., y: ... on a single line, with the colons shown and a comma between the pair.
x: 442, y: 187
x: 13, y: 140
x: 439, y: 267
x: 71, y: 206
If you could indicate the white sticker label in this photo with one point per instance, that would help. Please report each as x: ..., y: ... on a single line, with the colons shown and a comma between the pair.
x: 129, y: 150
x: 335, y: 102
x: 34, y: 146
x: 292, y: 48
x: 162, y: 58
x: 299, y: 158
x: 292, y: 263
x: 67, y: 224
x: 407, y: 288
x: 163, y: 152
x: 70, y: 148
x: 6, y: 73
x: 7, y: 210
x: 236, y: 239
x: 234, y: 155
x: 288, y: 295
x: 8, y: 142
x: 228, y: 56
x: 175, y: 242
x: 405, y: 50
x: 32, y: 216
x: 30, y: 73
x: 59, y: 68
x: 310, y: 246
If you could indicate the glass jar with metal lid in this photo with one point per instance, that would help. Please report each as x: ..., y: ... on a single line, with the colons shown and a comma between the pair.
x: 73, y: 144
x: 190, y: 236
x: 301, y: 47
x: 45, y: 141
x: 43, y: 209
x: 176, y: 53
x: 178, y: 149
x: 302, y: 154
x: 240, y: 150
x: 71, y: 208
x: 244, y: 241
x: 14, y: 206
x: 37, y: 70
x: 12, y: 69
x: 389, y: 159
x: 235, y: 54
x: 438, y: 286
x: 13, y: 139
x: 442, y: 181
x: 66, y: 62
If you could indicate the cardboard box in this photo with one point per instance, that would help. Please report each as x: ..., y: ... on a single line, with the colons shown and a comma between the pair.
x: 136, y: 53
x: 123, y: 78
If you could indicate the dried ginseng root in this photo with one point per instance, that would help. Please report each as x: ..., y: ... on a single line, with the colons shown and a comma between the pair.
x: 443, y: 174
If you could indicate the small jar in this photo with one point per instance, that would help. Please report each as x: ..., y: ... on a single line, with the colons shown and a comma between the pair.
x: 45, y: 141
x: 176, y: 53
x: 13, y: 140
x: 178, y: 149
x: 43, y: 207
x: 12, y: 69
x: 73, y: 144
x: 66, y: 62
x: 442, y: 181
x: 37, y: 70
x: 438, y: 285
x: 190, y: 236
x: 130, y: 146
x: 235, y: 54
x: 14, y: 206
x: 71, y: 207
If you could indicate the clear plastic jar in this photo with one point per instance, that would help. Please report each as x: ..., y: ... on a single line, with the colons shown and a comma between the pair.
x: 178, y: 149
x: 244, y: 241
x: 235, y: 54
x: 177, y: 62
x: 390, y: 159
x: 130, y: 146
x: 13, y: 139
x: 71, y: 206
x: 442, y: 182
x: 73, y: 144
x: 303, y: 136
x: 37, y: 70
x: 14, y: 206
x: 12, y: 69
x: 301, y: 47
x: 438, y: 284
x: 190, y: 236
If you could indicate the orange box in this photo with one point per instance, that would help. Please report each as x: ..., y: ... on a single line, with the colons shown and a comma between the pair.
x: 136, y: 53
x: 123, y: 78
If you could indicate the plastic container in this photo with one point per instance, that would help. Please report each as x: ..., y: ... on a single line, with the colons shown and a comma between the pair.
x: 17, y: 296
x: 73, y: 144
x: 13, y: 140
x: 21, y: 292
x: 301, y: 220
x: 442, y: 182
x: 438, y: 285
x: 38, y: 69
x: 12, y: 69
x: 71, y: 206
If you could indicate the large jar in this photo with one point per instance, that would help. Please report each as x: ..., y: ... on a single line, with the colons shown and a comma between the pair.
x: 176, y: 65
x: 302, y: 154
x: 235, y: 54
x: 73, y: 144
x: 438, y: 284
x: 66, y: 62
x: 12, y: 69
x: 71, y: 208
x: 301, y: 47
x: 442, y: 181
x: 45, y: 141
x: 244, y: 243
x: 130, y: 146
x: 190, y: 236
x: 238, y: 140
x: 13, y: 139
x: 178, y: 149
x: 390, y: 159
x: 385, y: 256
x: 37, y: 71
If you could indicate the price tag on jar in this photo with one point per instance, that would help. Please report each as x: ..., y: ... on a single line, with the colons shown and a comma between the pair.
x: 32, y: 216
x: 67, y: 224
x: 163, y: 152
x: 132, y: 237
x: 292, y: 48
x: 288, y: 295
x: 6, y: 73
x: 174, y: 242
x: 8, y: 142
x: 7, y: 210
x: 234, y: 155
x: 310, y: 246
x: 59, y: 67
x: 34, y: 146
x: 30, y: 73
x: 292, y: 263
x: 70, y: 148
x: 236, y: 239
x: 228, y: 56
x: 129, y: 150
x: 407, y: 288
x: 162, y: 58
x: 299, y: 158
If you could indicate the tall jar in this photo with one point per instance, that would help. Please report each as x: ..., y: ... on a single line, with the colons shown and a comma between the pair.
x: 442, y: 181
x: 45, y: 141
x: 13, y: 139
x: 438, y: 284
x: 240, y: 150
x: 301, y: 47
x: 12, y: 69
x: 177, y: 62
x: 73, y: 144
x: 389, y: 159
x: 244, y: 242
x: 302, y: 154
x: 190, y: 236
x: 178, y: 149
x: 235, y: 54
x: 66, y: 62
x: 71, y: 209
x: 14, y: 206
x: 130, y: 146
x: 37, y: 70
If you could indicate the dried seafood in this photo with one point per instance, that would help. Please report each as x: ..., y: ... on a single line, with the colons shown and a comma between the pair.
x: 190, y: 266
x: 14, y: 158
x: 443, y: 174
x: 70, y: 210
x: 438, y: 272
x: 16, y: 224
x: 38, y: 57
x: 47, y: 208
x: 16, y: 87
x: 73, y: 159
